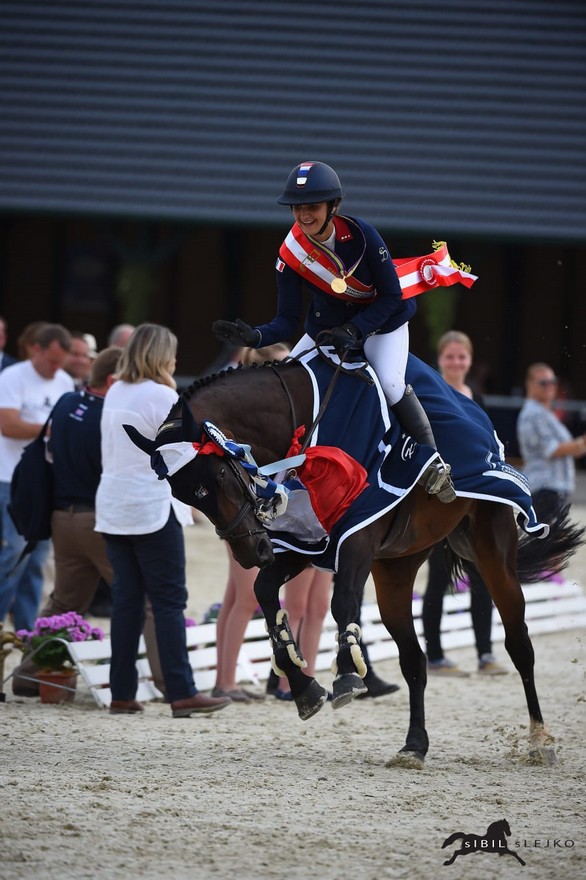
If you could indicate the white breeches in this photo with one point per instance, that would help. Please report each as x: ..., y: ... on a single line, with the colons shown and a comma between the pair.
x: 386, y: 353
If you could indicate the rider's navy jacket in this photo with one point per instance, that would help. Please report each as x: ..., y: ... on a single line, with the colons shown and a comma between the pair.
x: 388, y: 311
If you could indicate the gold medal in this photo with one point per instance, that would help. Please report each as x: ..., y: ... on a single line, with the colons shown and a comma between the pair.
x: 338, y: 285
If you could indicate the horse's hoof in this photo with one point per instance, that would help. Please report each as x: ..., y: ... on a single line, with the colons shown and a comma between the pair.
x: 408, y: 760
x: 345, y: 688
x: 542, y: 756
x: 311, y: 700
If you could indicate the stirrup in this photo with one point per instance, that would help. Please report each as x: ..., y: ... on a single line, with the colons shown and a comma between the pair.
x: 436, y: 480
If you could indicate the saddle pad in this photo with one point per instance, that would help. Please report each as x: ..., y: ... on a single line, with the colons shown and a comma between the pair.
x: 357, y: 420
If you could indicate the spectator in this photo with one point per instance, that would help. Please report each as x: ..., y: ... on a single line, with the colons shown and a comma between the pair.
x: 27, y: 338
x: 454, y: 361
x: 547, y: 446
x: 28, y: 392
x: 79, y: 551
x: 278, y: 351
x: 79, y: 360
x: 142, y: 525
x: 6, y: 360
x: 238, y: 605
x: 120, y: 334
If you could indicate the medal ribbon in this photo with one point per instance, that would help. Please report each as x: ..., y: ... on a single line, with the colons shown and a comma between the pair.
x: 309, y: 257
x: 344, y: 273
x: 416, y: 274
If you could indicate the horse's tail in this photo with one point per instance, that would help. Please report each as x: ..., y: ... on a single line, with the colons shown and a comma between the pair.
x: 535, y: 555
x: 551, y: 554
x: 452, y: 838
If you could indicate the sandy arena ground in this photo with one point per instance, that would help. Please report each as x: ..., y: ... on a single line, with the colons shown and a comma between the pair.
x: 254, y: 793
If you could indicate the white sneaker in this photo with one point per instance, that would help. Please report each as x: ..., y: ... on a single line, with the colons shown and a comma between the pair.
x: 487, y: 665
x: 446, y: 669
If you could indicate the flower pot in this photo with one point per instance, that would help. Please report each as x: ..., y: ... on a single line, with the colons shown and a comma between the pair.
x: 57, y: 685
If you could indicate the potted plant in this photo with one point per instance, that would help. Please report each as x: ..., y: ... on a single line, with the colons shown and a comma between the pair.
x: 44, y: 645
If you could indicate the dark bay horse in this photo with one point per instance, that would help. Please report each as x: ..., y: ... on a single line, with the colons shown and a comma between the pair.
x: 262, y: 406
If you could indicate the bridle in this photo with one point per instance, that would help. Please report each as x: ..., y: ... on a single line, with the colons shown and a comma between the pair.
x: 251, y: 503
x: 249, y: 506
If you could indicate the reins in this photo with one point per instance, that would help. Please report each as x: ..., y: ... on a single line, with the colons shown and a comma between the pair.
x: 285, y: 388
x: 324, y: 404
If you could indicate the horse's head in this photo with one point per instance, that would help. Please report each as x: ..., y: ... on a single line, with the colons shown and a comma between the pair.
x: 211, y: 478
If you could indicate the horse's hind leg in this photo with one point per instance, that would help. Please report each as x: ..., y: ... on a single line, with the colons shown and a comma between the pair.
x: 309, y: 696
x: 494, y: 542
x: 394, y: 580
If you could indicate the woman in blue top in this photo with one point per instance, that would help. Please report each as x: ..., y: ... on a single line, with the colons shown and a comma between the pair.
x: 356, y: 297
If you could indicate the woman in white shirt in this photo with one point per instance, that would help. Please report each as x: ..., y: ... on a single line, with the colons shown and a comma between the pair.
x: 143, y: 528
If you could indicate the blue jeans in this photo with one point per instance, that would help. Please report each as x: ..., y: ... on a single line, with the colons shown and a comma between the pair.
x: 21, y: 588
x: 149, y: 565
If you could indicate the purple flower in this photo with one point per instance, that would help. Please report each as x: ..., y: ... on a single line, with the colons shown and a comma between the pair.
x: 71, y: 627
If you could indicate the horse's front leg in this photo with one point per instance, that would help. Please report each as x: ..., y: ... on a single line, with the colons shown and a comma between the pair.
x: 349, y: 666
x: 287, y: 660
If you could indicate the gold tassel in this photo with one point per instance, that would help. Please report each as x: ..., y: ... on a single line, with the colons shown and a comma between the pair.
x: 463, y: 267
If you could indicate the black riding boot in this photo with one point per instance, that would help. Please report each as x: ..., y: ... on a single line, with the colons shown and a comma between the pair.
x: 436, y: 479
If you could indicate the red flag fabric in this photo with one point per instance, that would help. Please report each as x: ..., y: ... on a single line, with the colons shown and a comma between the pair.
x: 420, y: 274
x: 332, y: 478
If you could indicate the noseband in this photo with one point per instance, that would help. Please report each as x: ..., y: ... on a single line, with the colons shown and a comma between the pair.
x: 227, y: 534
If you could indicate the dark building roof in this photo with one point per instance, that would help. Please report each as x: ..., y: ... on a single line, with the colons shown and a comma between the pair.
x: 451, y: 117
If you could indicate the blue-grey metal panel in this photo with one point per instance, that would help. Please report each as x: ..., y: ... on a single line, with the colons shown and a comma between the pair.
x: 442, y: 117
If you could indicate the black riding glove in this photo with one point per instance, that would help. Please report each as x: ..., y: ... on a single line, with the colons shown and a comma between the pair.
x: 237, y: 333
x: 346, y: 338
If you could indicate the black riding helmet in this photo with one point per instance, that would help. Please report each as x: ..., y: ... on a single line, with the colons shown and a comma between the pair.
x: 309, y: 183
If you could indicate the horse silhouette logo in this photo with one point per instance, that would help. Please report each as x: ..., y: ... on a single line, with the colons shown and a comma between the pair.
x: 494, y: 841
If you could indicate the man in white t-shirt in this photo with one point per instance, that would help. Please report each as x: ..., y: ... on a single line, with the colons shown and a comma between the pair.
x: 28, y: 392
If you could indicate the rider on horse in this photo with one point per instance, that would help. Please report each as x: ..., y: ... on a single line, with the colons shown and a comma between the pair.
x: 356, y: 297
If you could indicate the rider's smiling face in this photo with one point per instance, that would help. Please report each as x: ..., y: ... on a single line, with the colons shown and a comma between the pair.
x: 311, y: 218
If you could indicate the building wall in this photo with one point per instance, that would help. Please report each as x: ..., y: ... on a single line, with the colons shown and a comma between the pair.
x: 526, y: 305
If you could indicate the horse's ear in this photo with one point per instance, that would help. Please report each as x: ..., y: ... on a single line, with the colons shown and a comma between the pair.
x: 137, y: 438
x: 190, y: 429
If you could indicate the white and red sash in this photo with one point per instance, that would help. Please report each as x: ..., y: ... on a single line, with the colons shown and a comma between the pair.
x: 320, y: 265
x: 311, y: 258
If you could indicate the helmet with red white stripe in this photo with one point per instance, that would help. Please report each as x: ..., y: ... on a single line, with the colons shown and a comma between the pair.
x: 309, y: 183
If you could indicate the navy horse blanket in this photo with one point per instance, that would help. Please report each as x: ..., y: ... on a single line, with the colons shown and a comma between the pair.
x: 357, y: 421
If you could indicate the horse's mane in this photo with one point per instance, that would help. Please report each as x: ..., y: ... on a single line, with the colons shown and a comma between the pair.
x: 188, y: 392
x: 203, y: 381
